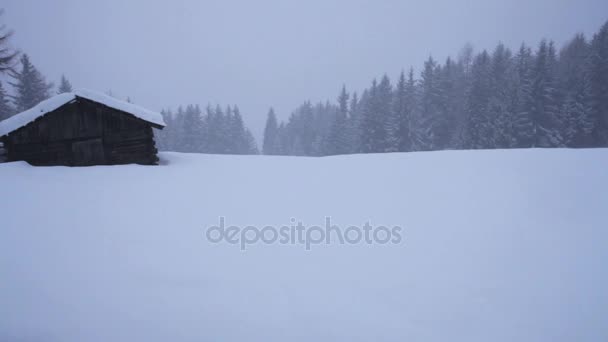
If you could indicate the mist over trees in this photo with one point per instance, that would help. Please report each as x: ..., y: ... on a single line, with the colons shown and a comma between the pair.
x: 217, y: 131
x: 7, y: 54
x: 5, y: 105
x: 29, y: 86
x: 64, y: 86
x: 529, y: 97
x: 491, y: 100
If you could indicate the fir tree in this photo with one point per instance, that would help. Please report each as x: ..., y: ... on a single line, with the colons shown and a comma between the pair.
x: 479, y: 124
x: 403, y: 102
x: 428, y: 119
x: 271, y: 136
x: 190, y: 135
x: 64, y: 86
x: 375, y: 126
x: 338, y: 141
x: 450, y: 105
x: 5, y: 107
x: 501, y: 108
x: 242, y: 138
x: 598, y: 78
x: 354, y: 122
x: 523, y: 123
x: 370, y: 124
x: 30, y: 86
x: 575, y: 88
x: 164, y: 137
x: 545, y: 105
x: 7, y: 54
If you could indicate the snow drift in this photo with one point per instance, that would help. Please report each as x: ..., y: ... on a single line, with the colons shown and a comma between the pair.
x: 497, y: 246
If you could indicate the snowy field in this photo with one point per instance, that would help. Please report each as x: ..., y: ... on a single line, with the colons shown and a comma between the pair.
x: 497, y: 246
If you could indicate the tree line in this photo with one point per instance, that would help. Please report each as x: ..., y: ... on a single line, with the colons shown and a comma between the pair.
x: 217, y: 131
x: 489, y: 100
x: 537, y: 97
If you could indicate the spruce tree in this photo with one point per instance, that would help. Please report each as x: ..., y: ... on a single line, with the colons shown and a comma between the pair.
x: 238, y: 132
x: 338, y: 141
x: 64, y: 86
x: 271, y: 137
x: 523, y: 123
x: 450, y: 116
x: 221, y: 127
x: 479, y: 124
x: 501, y: 109
x: 164, y: 137
x: 428, y: 119
x: 5, y: 106
x: 598, y: 78
x: 7, y: 54
x: 575, y: 88
x: 354, y: 122
x: 375, y: 127
x: 545, y: 103
x: 30, y: 86
x: 190, y: 137
x: 384, y: 111
x: 370, y: 124
x: 401, y: 139
x: 252, y: 146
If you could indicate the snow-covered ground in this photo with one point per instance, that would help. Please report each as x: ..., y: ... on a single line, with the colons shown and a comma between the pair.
x: 497, y: 246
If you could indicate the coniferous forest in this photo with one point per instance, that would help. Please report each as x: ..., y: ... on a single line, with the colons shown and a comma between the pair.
x: 541, y: 96
x: 529, y: 97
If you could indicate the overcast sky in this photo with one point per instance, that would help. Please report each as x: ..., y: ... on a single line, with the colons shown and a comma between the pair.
x: 264, y: 53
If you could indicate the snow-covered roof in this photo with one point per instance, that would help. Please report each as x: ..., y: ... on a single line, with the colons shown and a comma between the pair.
x: 20, y: 120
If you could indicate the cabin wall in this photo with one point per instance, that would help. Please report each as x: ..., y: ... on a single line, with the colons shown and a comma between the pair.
x: 84, y: 133
x: 2, y: 151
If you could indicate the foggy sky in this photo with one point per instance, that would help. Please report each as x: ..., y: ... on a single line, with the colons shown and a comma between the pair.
x: 259, y: 54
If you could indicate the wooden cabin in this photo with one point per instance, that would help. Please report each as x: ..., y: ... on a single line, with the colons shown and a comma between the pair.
x: 82, y: 128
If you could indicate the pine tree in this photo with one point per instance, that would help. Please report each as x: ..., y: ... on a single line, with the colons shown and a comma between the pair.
x: 545, y: 104
x: 30, y: 86
x: 190, y: 135
x: 450, y: 107
x: 384, y: 111
x: 221, y: 127
x: 240, y: 135
x: 308, y: 135
x: 7, y: 54
x: 64, y: 86
x: 374, y: 129
x: 523, y: 123
x: 462, y: 92
x: 338, y: 141
x: 282, y: 147
x: 428, y: 120
x: 575, y: 88
x: 354, y: 123
x: 479, y: 125
x: 598, y: 78
x: 271, y: 137
x: 5, y: 107
x: 403, y: 102
x: 164, y: 137
x: 369, y: 123
x: 252, y: 146
x: 501, y: 108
